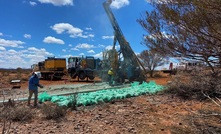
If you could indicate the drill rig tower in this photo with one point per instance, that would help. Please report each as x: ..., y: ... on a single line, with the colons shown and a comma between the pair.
x: 134, y: 69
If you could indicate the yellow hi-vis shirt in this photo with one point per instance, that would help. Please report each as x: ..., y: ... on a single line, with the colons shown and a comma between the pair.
x: 110, y: 72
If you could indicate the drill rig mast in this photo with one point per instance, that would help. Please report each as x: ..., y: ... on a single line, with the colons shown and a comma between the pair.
x: 130, y: 60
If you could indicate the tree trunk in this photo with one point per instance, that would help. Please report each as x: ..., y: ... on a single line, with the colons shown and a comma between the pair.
x: 151, y: 73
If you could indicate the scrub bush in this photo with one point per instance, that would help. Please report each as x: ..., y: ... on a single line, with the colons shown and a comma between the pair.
x: 53, y: 111
x: 18, y: 113
x: 195, y: 85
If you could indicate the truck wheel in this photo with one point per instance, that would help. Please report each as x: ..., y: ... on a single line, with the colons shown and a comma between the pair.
x: 43, y: 76
x: 81, y: 75
x: 46, y: 77
x: 91, y: 77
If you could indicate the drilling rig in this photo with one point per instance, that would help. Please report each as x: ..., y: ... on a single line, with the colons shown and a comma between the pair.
x: 129, y: 62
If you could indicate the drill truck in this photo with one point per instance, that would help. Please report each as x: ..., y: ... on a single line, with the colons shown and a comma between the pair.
x: 129, y: 63
x: 83, y: 67
x: 51, y: 68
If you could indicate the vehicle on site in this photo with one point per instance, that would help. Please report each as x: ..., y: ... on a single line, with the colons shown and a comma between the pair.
x: 51, y: 68
x: 184, y: 66
x: 189, y: 65
x: 125, y: 59
x: 83, y: 67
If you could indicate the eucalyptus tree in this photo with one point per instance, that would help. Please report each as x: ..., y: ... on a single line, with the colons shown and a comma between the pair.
x: 151, y: 59
x: 189, y: 29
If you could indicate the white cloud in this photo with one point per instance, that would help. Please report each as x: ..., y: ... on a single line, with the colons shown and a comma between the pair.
x: 1, y: 34
x: 160, y: 1
x: 98, y: 55
x: 75, y: 49
x: 58, y: 2
x: 11, y: 51
x: 69, y: 29
x: 10, y: 43
x: 107, y: 37
x: 100, y: 45
x: 85, y: 46
x: 67, y: 56
x: 37, y: 51
x: 70, y: 45
x: 32, y: 49
x: 23, y: 58
x: 27, y: 36
x: 35, y: 55
x: 119, y: 3
x: 91, y: 51
x: 88, y: 28
x: 66, y: 27
x: 2, y: 48
x: 81, y: 54
x: 32, y: 3
x: 91, y: 35
x: 63, y: 50
x: 110, y: 47
x: 53, y: 40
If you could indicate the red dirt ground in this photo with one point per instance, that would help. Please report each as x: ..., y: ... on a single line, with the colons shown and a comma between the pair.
x: 161, y: 113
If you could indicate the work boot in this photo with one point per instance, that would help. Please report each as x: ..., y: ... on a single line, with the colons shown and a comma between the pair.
x: 28, y: 104
x: 35, y: 106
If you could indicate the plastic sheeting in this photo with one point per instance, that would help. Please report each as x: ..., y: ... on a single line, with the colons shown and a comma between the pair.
x: 106, y: 95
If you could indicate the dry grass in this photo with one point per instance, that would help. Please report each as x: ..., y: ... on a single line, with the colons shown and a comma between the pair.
x: 17, y: 113
x: 52, y: 111
x: 195, y: 85
x: 6, y: 75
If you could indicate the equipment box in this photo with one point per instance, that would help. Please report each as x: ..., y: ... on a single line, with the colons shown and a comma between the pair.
x: 16, y: 84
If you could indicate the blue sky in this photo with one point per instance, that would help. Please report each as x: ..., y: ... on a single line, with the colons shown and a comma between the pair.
x: 31, y: 31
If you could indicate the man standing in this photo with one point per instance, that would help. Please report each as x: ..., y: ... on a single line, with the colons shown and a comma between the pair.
x: 120, y: 75
x: 171, y: 66
x: 33, y: 85
x: 110, y: 75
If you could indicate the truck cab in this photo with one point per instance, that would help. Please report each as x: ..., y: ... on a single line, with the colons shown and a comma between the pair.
x: 82, y: 67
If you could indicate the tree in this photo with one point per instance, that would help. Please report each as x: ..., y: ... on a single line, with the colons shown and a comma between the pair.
x: 19, y: 69
x: 189, y: 29
x: 151, y: 59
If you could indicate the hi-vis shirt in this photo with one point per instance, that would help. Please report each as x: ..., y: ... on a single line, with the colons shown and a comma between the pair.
x: 110, y: 72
